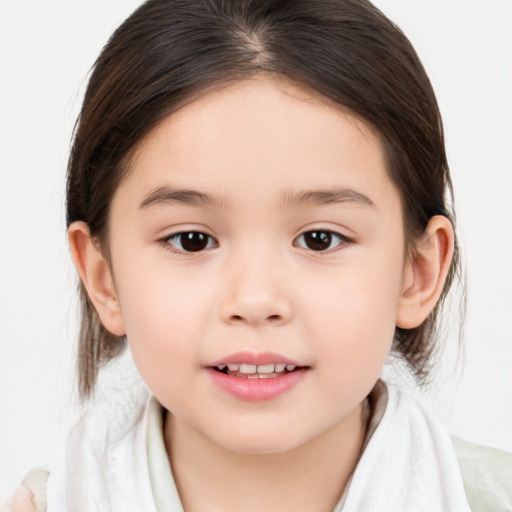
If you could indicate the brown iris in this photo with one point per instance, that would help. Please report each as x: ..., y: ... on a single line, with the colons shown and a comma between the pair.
x: 318, y: 240
x: 193, y: 241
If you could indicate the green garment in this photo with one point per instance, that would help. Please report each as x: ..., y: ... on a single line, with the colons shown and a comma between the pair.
x: 487, y: 476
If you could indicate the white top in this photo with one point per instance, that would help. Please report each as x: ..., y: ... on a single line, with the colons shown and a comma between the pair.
x: 116, y: 460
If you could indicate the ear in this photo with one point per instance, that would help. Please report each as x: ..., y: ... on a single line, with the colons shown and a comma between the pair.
x: 96, y: 276
x: 425, y: 273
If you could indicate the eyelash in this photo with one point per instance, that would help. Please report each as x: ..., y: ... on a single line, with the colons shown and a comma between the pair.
x: 167, y: 241
x: 322, y: 236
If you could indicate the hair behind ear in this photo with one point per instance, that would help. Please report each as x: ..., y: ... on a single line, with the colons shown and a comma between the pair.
x: 96, y: 346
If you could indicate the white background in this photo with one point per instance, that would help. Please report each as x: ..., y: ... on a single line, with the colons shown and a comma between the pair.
x: 46, y: 50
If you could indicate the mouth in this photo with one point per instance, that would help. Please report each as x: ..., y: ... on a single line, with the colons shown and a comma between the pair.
x: 260, y: 371
x: 256, y: 377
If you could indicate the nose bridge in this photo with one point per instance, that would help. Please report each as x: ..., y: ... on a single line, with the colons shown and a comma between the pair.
x: 255, y: 290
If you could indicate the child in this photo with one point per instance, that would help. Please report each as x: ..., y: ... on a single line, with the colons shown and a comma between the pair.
x: 256, y: 206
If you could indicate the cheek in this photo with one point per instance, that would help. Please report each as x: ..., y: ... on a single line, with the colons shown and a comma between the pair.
x: 164, y: 317
x: 357, y: 332
x: 353, y: 315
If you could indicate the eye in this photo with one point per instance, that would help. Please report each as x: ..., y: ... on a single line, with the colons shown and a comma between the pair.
x: 320, y: 240
x: 190, y: 241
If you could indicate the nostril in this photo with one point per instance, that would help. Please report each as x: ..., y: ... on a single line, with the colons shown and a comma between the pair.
x: 241, y: 318
x: 255, y: 311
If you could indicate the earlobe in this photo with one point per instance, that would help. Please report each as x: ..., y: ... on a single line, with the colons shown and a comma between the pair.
x: 425, y: 273
x: 95, y: 273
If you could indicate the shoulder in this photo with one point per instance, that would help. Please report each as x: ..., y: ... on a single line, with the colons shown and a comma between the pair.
x: 487, y: 476
x: 31, y: 496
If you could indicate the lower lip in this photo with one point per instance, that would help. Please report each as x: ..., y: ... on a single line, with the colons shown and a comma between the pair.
x: 257, y: 390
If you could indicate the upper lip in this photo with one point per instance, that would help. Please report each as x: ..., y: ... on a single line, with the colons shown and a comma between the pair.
x: 255, y: 358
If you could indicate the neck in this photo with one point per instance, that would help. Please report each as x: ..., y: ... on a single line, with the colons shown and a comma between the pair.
x: 310, y: 477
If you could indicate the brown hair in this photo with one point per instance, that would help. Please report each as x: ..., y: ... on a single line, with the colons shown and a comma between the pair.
x: 168, y: 51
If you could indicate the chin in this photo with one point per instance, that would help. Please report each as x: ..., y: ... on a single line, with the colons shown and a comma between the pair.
x: 260, y: 449
x: 260, y: 443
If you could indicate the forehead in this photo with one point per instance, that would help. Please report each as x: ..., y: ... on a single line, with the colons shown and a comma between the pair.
x: 267, y: 134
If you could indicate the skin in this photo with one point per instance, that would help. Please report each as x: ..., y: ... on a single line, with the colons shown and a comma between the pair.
x: 22, y: 501
x: 257, y: 286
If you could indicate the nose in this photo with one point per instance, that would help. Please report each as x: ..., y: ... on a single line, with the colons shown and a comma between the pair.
x: 255, y: 293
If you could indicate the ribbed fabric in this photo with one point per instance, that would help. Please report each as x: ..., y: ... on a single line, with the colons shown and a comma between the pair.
x: 104, y: 466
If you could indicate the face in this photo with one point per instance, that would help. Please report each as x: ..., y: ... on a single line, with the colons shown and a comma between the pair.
x: 257, y: 250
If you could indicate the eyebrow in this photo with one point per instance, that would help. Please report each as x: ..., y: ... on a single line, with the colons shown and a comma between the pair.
x: 168, y: 195
x: 165, y: 195
x: 323, y: 197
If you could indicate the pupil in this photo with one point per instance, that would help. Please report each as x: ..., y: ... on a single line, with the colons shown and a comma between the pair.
x: 194, y: 241
x: 318, y: 240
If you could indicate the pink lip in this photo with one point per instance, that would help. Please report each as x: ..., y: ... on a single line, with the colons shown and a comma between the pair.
x: 256, y: 358
x: 257, y: 390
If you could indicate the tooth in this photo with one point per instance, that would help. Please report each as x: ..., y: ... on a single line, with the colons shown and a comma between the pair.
x: 247, y: 368
x: 265, y: 368
x: 252, y: 376
x: 233, y: 367
x: 265, y: 376
x: 280, y: 367
x: 290, y: 367
x: 221, y: 366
